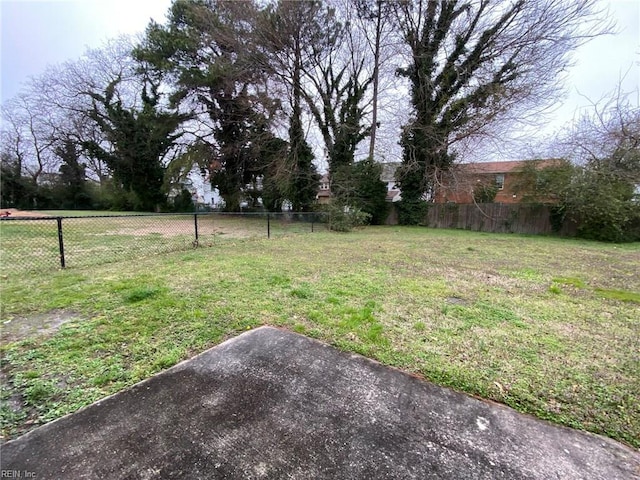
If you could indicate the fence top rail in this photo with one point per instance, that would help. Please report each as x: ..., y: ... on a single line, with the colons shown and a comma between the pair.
x: 55, y: 217
x: 261, y: 213
x: 9, y: 219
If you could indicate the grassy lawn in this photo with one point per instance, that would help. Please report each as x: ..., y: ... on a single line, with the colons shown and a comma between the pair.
x: 548, y: 326
x: 91, y: 238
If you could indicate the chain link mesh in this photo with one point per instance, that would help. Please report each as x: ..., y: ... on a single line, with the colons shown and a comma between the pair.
x: 45, y: 243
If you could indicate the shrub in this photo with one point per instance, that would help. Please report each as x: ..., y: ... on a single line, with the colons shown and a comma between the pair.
x: 603, y: 206
x: 412, y: 212
x: 370, y: 191
x: 183, y: 202
x: 342, y: 218
x: 485, y: 192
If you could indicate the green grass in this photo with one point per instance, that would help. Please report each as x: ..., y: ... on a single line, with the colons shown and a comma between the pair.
x: 617, y: 294
x: 90, y: 238
x: 572, y: 281
x: 547, y: 326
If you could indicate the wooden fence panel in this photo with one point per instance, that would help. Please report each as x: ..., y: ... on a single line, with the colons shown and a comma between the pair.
x: 491, y: 217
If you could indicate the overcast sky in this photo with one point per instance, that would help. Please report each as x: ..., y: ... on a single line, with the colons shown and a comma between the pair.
x: 35, y: 33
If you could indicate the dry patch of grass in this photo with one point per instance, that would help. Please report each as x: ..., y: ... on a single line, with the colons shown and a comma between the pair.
x: 32, y: 245
x: 19, y: 327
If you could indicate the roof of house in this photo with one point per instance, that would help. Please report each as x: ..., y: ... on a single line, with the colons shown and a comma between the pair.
x: 392, y: 194
x: 503, y: 167
x: 389, y: 169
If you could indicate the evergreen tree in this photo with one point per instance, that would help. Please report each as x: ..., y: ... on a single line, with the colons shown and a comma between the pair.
x: 72, y: 183
x: 370, y: 191
x: 303, y: 179
x: 139, y: 140
x: 208, y: 51
x: 16, y: 190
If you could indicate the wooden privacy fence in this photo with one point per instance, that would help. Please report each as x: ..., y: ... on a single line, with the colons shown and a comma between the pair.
x: 494, y: 217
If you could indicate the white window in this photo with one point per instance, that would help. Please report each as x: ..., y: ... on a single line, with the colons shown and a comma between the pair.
x: 500, y: 181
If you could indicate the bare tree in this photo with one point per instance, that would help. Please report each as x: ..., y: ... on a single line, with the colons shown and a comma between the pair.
x: 53, y: 107
x: 474, y: 63
x: 597, y: 185
x: 30, y: 135
x: 66, y: 108
x: 607, y: 135
x: 373, y: 19
x: 13, y: 138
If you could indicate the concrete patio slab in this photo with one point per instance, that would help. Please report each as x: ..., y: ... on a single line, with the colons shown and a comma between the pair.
x: 272, y: 404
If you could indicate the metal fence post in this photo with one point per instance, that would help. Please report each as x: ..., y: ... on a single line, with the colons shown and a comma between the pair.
x: 268, y: 225
x: 313, y: 217
x: 195, y: 224
x: 60, y: 241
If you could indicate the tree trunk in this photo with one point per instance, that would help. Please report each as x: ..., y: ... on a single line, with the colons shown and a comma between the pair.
x: 376, y: 75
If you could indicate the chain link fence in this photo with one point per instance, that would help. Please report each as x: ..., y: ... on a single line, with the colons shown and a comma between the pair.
x: 32, y: 244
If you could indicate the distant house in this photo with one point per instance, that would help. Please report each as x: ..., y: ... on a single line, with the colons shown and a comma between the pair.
x: 323, y: 196
x: 458, y: 185
x: 388, y: 176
